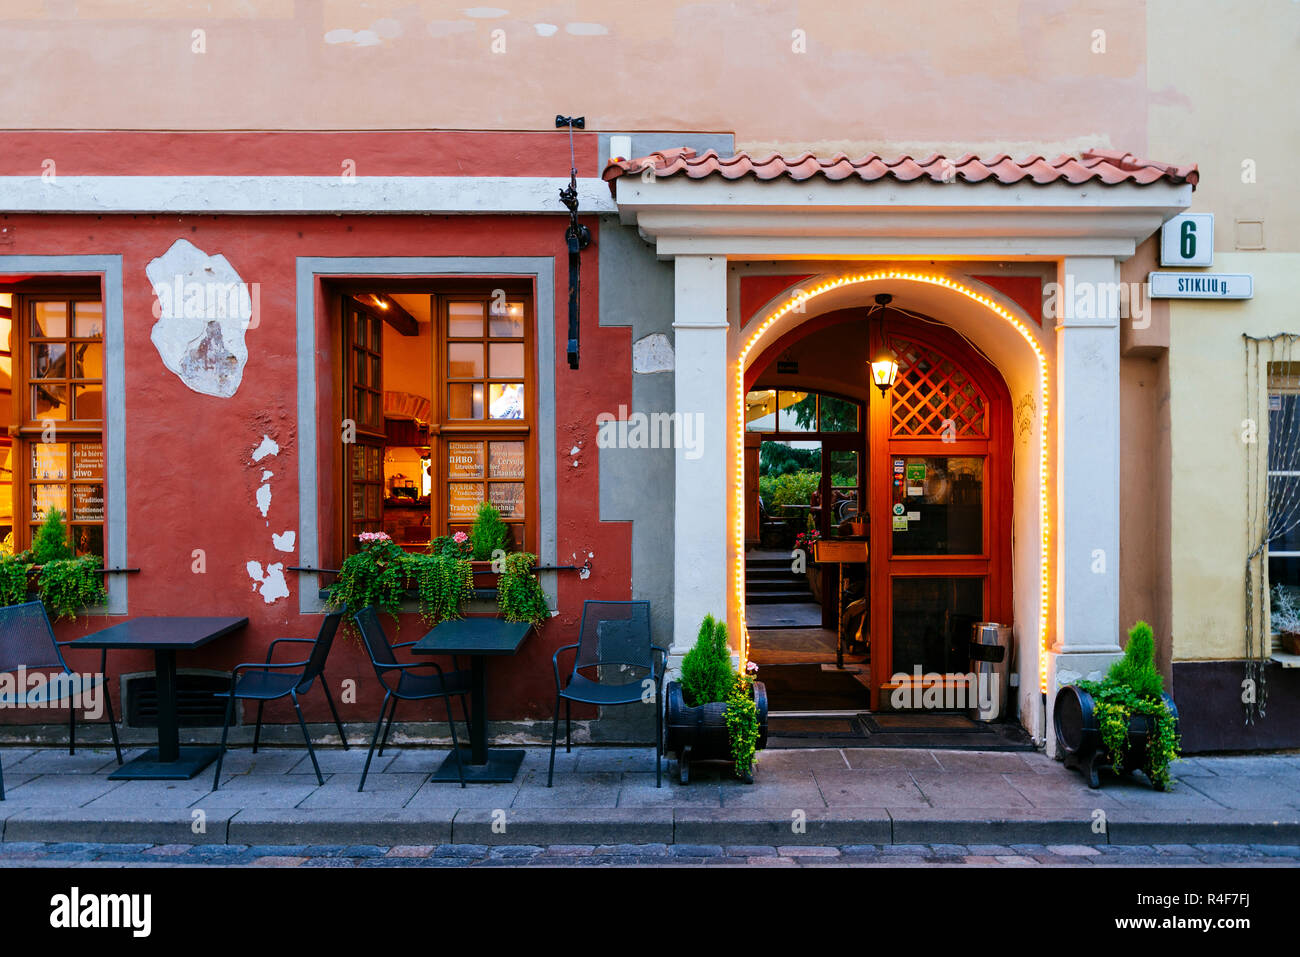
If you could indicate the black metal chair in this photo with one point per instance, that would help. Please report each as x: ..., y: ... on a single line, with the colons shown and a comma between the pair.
x: 411, y: 685
x: 264, y: 681
x: 27, y: 641
x: 615, y: 636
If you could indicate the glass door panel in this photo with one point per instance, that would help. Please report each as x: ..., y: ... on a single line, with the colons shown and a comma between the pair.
x: 932, y: 622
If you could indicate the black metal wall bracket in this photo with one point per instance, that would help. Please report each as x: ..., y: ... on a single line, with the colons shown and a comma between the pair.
x: 577, y: 237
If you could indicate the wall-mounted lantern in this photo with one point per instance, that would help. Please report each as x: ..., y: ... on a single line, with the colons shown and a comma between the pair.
x: 884, y: 368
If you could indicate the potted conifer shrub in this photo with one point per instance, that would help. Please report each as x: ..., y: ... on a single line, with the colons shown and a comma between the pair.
x: 1123, y: 722
x: 713, y: 713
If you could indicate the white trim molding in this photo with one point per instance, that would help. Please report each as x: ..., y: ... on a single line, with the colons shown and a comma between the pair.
x: 392, y: 195
x: 751, y: 219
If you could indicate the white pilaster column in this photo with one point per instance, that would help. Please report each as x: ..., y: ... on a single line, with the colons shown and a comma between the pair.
x: 1087, y: 475
x: 700, y: 382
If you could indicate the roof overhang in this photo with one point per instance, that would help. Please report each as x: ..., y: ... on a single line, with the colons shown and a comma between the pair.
x: 817, y: 218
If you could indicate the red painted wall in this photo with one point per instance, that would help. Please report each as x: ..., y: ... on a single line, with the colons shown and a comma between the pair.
x: 191, y: 481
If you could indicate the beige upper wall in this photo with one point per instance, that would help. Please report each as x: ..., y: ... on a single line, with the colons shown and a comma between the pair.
x: 1223, y: 77
x: 1019, y: 75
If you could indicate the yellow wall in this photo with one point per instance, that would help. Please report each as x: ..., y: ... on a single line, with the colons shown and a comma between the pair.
x: 1207, y: 406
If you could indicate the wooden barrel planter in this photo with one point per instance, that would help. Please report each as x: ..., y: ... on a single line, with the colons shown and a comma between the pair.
x: 700, y: 734
x: 1078, y: 735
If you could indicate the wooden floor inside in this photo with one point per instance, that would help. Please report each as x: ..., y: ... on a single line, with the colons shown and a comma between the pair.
x: 796, y: 646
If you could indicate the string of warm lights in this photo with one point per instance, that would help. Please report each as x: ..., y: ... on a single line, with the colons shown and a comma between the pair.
x: 798, y: 300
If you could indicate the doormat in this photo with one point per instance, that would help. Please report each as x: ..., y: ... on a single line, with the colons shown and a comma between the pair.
x: 904, y: 722
x: 937, y: 732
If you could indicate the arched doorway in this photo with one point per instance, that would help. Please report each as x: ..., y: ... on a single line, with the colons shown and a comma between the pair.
x: 935, y: 487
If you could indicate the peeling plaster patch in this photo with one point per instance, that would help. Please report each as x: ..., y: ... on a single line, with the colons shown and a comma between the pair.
x: 584, y: 572
x: 268, y: 446
x: 574, y: 451
x: 206, y: 351
x: 575, y: 463
x: 361, y: 38
x: 273, y: 584
x: 585, y: 29
x: 266, y: 474
x: 485, y: 13
x: 444, y: 28
x: 264, y: 499
x: 284, y: 543
x: 545, y: 29
x: 654, y: 353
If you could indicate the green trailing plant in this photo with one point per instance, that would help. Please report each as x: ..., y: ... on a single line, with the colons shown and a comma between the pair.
x: 375, y: 575
x: 443, y: 583
x: 489, y: 534
x: 13, y: 581
x: 519, y: 593
x: 68, y: 585
x: 742, y: 725
x: 1131, y: 687
x: 50, y: 544
x: 707, y: 674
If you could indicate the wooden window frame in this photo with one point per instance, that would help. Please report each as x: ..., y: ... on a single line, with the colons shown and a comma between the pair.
x: 442, y: 429
x: 26, y: 432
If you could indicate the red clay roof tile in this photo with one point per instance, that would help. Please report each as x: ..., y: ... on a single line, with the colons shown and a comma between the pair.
x: 1106, y: 166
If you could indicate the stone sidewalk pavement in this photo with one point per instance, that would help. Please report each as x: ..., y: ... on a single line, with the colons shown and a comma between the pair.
x: 607, y: 796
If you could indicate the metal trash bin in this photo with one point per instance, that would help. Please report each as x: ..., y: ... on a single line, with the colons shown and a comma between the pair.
x: 990, y: 663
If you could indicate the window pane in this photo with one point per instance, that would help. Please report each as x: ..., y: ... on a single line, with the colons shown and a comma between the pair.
x: 506, y: 360
x: 941, y: 503
x: 49, y: 320
x: 508, y: 497
x: 49, y: 360
x: 465, y: 360
x: 46, y: 497
x: 463, y: 499
x: 507, y: 400
x: 89, y: 402
x: 760, y: 411
x: 465, y: 460
x: 49, y: 460
x: 839, y: 415
x: 932, y: 623
x: 360, y: 365
x: 506, y: 460
x: 465, y: 320
x: 49, y: 402
x: 507, y: 323
x: 88, y: 539
x: 798, y: 412
x: 465, y: 400
x: 88, y: 503
x: 88, y: 320
x: 88, y: 361
x: 88, y: 460
x: 844, y: 489
x: 374, y: 463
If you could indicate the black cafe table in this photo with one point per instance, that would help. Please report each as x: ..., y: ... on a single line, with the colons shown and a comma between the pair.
x: 164, y: 637
x: 479, y: 638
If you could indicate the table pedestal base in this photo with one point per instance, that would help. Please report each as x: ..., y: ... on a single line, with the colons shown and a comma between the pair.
x: 147, y: 767
x: 501, y: 767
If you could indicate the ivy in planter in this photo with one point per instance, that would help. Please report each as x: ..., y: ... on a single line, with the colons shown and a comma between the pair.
x: 519, y: 594
x: 1134, y: 686
x: 375, y: 575
x: 443, y: 583
x: 378, y: 574
x: 69, y: 584
x: 13, y: 581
